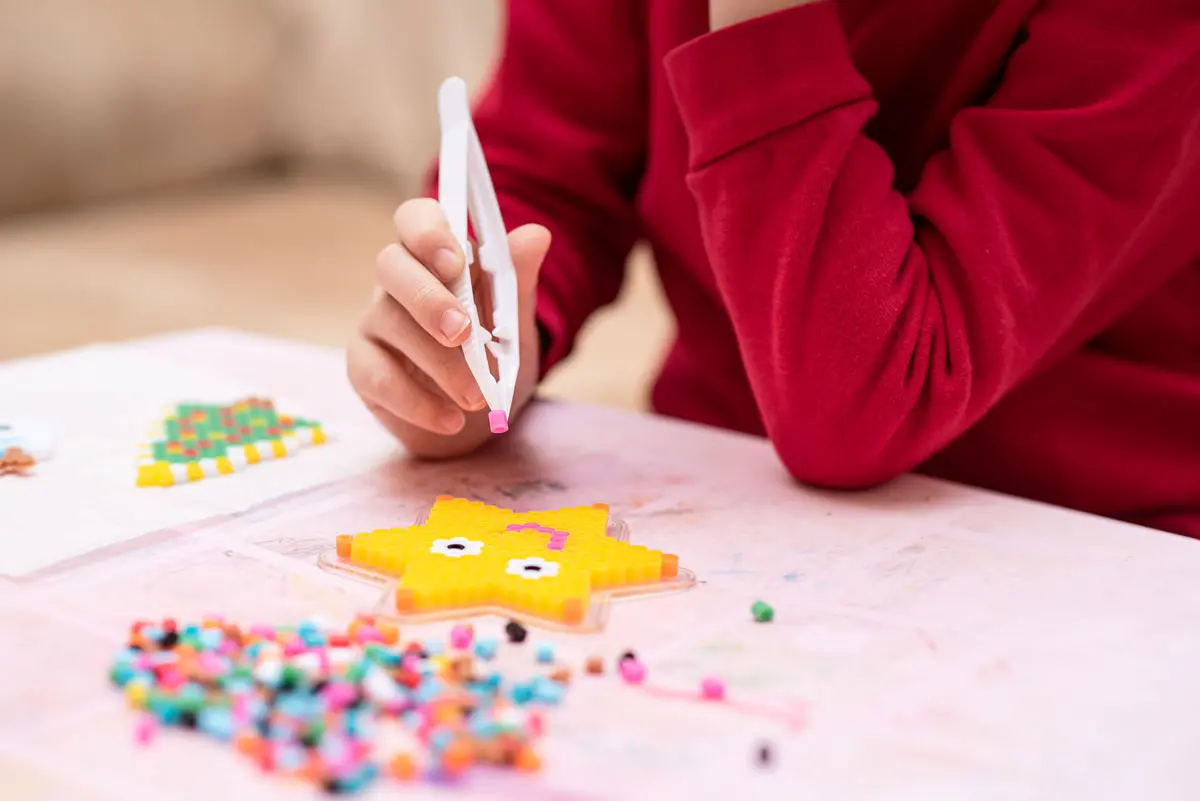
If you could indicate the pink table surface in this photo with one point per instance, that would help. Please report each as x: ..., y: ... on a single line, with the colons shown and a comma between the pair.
x: 931, y: 641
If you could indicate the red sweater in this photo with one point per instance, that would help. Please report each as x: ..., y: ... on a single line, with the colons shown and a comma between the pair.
x: 959, y: 237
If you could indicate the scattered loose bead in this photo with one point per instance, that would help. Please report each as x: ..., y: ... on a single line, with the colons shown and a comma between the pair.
x: 461, y: 636
x: 545, y: 653
x: 712, y: 688
x: 307, y: 701
x: 515, y: 631
x: 485, y: 649
x: 594, y: 666
x: 633, y: 671
x: 763, y: 612
x: 145, y: 730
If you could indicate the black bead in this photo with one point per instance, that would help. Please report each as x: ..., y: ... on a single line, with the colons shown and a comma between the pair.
x: 625, y: 657
x: 332, y: 786
x: 764, y: 755
x: 515, y: 631
x: 187, y: 720
x: 169, y: 640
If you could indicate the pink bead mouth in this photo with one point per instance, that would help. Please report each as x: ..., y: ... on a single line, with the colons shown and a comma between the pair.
x: 498, y: 421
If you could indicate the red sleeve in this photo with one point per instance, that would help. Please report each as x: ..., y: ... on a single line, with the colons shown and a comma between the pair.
x: 563, y: 130
x: 877, y: 327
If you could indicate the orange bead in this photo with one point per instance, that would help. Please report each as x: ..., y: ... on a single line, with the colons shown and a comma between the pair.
x: 344, y: 544
x: 526, y: 760
x: 402, y: 767
x: 457, y: 757
x: 390, y: 633
x: 249, y: 744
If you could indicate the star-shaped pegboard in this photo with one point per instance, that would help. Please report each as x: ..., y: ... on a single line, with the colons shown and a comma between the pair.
x: 197, y: 441
x: 557, y: 568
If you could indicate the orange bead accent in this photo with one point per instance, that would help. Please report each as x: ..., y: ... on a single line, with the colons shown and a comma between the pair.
x: 670, y: 565
x: 344, y: 543
x: 573, y: 611
x: 405, y: 602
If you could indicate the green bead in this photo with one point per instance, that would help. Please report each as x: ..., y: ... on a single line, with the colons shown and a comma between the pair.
x: 762, y: 612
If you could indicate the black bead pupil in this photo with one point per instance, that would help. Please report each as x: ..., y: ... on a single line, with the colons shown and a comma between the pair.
x: 533, y: 568
x: 457, y: 546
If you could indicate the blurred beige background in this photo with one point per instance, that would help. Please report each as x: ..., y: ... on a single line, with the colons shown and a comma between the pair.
x: 235, y: 162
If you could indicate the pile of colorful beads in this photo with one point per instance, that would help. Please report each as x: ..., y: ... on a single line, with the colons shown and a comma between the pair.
x: 339, y: 708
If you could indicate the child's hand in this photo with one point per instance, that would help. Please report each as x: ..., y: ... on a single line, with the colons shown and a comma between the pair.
x: 405, y: 361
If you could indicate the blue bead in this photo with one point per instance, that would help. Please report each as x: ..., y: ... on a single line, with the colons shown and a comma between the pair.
x: 522, y: 693
x: 289, y: 757
x: 485, y: 649
x: 545, y: 653
x: 211, y: 639
x: 548, y: 691
x: 217, y: 722
x: 440, y: 740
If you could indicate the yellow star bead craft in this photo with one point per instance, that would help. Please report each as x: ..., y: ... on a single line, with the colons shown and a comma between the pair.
x: 469, y: 556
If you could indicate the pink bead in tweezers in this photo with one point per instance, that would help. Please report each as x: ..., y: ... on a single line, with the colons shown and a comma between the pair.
x: 498, y: 421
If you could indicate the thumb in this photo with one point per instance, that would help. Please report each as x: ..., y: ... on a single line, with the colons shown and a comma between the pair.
x: 528, y: 246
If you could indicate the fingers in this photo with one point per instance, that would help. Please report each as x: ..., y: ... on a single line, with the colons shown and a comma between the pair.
x: 380, y: 378
x: 420, y: 292
x: 422, y: 229
x: 416, y: 269
x: 388, y: 323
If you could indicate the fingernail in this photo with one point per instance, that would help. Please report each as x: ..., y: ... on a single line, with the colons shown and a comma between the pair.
x: 446, y: 263
x: 451, y: 420
x: 454, y: 322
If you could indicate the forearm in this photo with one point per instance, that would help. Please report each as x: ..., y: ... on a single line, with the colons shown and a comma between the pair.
x: 877, y: 327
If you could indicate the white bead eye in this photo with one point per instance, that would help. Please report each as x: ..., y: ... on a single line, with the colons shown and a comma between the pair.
x: 456, y: 547
x: 532, y: 567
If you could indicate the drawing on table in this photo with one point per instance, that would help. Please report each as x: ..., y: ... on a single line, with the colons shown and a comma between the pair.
x: 27, y: 437
x: 15, y: 461
x: 197, y: 441
x: 556, y: 568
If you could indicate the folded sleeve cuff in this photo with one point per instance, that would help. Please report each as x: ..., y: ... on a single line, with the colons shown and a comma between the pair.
x: 743, y: 83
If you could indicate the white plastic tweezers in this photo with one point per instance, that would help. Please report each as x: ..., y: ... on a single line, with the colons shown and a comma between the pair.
x: 465, y: 185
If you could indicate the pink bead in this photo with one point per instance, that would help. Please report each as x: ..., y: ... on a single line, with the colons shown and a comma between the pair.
x: 145, y: 730
x: 712, y: 689
x: 498, y: 421
x: 369, y: 634
x: 632, y: 671
x: 210, y: 663
x: 171, y: 679
x: 461, y: 636
x: 294, y: 648
x: 340, y: 695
